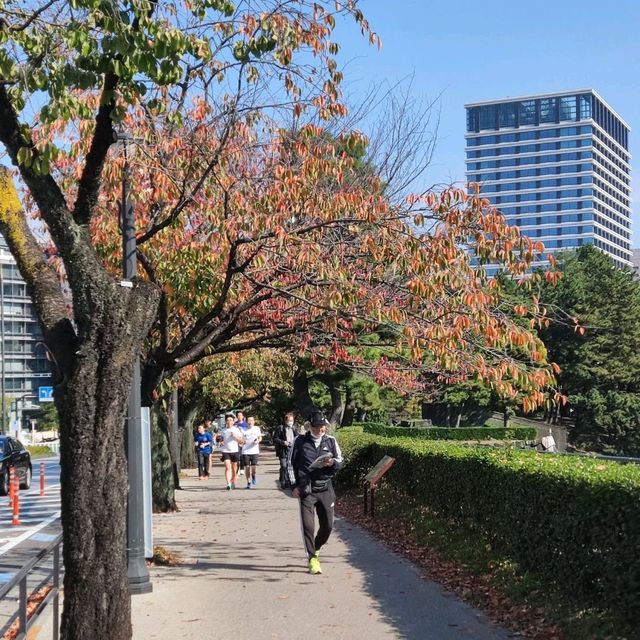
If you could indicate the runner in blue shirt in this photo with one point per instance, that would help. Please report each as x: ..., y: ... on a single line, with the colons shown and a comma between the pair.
x: 203, y: 440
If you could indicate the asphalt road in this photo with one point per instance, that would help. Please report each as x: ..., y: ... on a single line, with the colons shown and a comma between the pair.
x: 39, y: 525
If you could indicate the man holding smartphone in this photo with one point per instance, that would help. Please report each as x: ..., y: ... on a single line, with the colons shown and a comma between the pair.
x: 315, y: 458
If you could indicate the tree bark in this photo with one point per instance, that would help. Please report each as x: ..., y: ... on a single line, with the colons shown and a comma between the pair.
x: 337, y: 406
x: 91, y: 404
x: 349, y: 409
x: 187, y: 454
x: 163, y: 482
x: 301, y: 394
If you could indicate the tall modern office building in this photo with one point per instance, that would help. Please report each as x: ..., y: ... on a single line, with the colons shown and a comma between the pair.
x: 24, y: 367
x: 557, y: 166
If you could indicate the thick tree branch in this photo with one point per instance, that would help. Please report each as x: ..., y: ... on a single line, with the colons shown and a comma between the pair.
x: 103, y: 138
x: 41, y: 279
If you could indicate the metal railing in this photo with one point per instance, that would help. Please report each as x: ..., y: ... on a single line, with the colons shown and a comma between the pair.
x: 20, y: 581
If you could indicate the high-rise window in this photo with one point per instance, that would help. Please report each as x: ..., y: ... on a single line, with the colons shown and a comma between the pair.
x: 548, y: 111
x: 508, y: 115
x: 528, y: 112
x: 568, y: 108
x: 488, y: 117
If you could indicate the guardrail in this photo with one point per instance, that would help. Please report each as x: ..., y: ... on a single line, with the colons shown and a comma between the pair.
x: 20, y: 581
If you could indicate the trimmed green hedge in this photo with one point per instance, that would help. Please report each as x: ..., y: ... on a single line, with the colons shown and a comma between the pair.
x: 460, y: 433
x: 574, y: 522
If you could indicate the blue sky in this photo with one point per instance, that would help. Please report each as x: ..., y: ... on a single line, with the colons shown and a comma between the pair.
x: 470, y: 51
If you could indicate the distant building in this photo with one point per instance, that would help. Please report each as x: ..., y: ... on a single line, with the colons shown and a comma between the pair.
x: 635, y: 260
x: 557, y: 166
x: 25, y: 365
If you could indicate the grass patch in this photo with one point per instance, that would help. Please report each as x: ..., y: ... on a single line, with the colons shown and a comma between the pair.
x: 39, y: 450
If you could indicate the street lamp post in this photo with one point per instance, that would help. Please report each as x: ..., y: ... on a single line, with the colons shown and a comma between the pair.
x: 139, y: 581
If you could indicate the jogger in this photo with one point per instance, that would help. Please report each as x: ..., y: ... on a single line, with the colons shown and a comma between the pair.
x: 251, y: 450
x: 231, y: 441
x: 203, y: 441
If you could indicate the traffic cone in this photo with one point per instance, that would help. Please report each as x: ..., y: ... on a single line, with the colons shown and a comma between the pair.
x: 16, y: 501
x: 11, y: 478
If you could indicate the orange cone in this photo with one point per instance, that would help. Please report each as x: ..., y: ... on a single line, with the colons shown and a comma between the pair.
x: 16, y: 501
x: 11, y: 478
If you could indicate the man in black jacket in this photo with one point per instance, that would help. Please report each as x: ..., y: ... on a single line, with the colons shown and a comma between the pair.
x: 283, y: 438
x: 315, y: 458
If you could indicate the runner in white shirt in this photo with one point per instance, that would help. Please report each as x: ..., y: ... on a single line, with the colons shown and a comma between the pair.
x: 230, y: 449
x: 251, y: 450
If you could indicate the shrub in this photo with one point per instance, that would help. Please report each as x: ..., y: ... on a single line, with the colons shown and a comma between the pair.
x: 573, y: 521
x: 460, y: 433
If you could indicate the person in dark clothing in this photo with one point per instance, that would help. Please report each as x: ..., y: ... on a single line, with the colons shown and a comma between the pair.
x: 203, y: 441
x: 283, y: 438
x: 315, y: 458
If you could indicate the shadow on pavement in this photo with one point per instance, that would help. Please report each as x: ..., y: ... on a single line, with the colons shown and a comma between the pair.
x: 418, y: 608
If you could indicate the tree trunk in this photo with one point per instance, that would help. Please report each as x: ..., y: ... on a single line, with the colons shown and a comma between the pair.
x: 301, y: 393
x: 91, y: 403
x: 459, y: 418
x: 337, y: 407
x: 349, y: 409
x: 163, y: 483
x: 187, y: 452
x: 505, y: 417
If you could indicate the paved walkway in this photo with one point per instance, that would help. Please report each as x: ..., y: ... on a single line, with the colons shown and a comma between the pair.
x: 245, y: 576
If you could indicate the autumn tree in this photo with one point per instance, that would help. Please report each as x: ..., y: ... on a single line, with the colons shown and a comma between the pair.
x: 157, y: 56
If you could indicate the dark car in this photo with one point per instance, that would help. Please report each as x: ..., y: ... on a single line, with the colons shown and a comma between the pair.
x: 13, y: 454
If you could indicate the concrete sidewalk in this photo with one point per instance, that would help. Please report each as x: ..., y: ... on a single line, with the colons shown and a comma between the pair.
x: 245, y: 576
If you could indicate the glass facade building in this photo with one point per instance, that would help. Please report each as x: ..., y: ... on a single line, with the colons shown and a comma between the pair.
x: 557, y: 166
x: 25, y: 365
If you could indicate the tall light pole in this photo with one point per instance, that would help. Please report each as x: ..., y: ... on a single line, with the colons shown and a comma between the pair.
x: 139, y: 581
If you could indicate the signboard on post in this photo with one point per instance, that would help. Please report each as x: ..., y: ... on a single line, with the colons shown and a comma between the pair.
x: 371, y: 481
x: 45, y: 394
x: 374, y: 476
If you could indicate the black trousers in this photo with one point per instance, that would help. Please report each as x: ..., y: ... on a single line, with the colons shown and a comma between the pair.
x: 203, y: 464
x: 283, y: 472
x: 323, y: 504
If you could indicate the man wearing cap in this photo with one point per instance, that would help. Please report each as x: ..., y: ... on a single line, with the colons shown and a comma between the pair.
x: 314, y: 459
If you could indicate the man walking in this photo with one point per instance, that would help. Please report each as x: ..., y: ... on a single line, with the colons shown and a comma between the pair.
x: 283, y: 438
x: 315, y: 458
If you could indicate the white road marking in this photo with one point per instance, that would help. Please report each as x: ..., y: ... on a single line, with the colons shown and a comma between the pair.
x: 27, y: 534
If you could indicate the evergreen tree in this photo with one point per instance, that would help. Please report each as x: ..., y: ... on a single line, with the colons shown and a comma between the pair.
x: 598, y: 355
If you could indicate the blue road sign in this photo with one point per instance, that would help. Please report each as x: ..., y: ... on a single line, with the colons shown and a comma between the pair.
x: 45, y: 394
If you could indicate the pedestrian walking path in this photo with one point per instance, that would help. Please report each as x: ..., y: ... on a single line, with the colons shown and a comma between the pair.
x: 244, y: 575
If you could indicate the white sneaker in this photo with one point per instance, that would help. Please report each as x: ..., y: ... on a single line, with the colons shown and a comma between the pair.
x: 241, y: 472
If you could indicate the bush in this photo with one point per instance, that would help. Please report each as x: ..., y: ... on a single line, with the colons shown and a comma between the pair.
x: 459, y: 433
x: 572, y: 521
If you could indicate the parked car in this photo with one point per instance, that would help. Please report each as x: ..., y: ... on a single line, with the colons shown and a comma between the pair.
x: 13, y: 454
